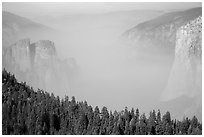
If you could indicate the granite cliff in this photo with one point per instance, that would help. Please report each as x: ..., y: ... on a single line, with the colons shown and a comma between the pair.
x: 38, y: 64
x: 159, y: 34
x: 185, y: 79
x: 185, y: 76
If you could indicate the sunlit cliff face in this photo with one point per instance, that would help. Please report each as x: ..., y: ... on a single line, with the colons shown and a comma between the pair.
x: 186, y: 74
x: 160, y: 33
x: 183, y: 92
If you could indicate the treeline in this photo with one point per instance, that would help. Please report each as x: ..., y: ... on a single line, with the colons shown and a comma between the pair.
x: 25, y: 111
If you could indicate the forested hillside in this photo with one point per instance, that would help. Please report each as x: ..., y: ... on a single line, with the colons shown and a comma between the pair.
x: 25, y: 111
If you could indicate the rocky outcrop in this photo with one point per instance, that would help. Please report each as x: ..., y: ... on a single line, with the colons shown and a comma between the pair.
x: 185, y: 80
x: 38, y: 65
x: 159, y: 34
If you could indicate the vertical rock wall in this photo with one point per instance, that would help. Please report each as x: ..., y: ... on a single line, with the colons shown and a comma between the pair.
x: 38, y: 65
x: 186, y: 75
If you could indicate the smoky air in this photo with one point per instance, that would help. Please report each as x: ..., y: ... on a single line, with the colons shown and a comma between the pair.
x: 116, y: 55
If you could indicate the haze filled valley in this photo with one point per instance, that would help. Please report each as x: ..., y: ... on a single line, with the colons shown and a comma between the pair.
x: 107, y: 72
x: 117, y: 59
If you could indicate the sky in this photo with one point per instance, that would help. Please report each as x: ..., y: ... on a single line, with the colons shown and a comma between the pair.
x: 34, y: 9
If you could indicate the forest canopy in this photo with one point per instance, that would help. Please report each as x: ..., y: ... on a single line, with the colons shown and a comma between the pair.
x: 29, y: 112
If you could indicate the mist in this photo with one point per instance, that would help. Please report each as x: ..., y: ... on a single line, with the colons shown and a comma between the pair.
x: 110, y: 72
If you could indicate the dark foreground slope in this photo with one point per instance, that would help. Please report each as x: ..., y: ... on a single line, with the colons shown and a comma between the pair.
x: 25, y: 111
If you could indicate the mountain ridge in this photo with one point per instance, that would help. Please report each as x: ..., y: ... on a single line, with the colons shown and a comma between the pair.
x: 160, y: 32
x: 11, y: 17
x: 15, y: 27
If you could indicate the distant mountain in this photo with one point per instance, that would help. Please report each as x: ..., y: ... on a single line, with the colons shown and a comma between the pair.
x: 10, y: 20
x: 121, y: 20
x: 159, y: 34
x: 38, y: 65
x: 15, y: 27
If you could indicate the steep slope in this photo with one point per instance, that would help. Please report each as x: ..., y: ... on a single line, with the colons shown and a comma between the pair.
x: 27, y: 112
x: 159, y: 34
x: 185, y: 80
x: 38, y: 65
x: 15, y: 27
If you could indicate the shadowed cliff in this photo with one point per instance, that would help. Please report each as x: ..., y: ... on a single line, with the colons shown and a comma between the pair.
x: 38, y: 65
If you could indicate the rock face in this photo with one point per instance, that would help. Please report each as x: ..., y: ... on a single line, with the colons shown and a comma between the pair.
x: 17, y: 56
x: 39, y: 65
x: 159, y: 34
x: 186, y: 75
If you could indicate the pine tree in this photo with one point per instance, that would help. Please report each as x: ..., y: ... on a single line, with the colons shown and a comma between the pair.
x: 25, y: 111
x: 137, y: 115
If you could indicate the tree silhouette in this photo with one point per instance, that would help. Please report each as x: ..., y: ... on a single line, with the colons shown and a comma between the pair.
x: 29, y: 112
